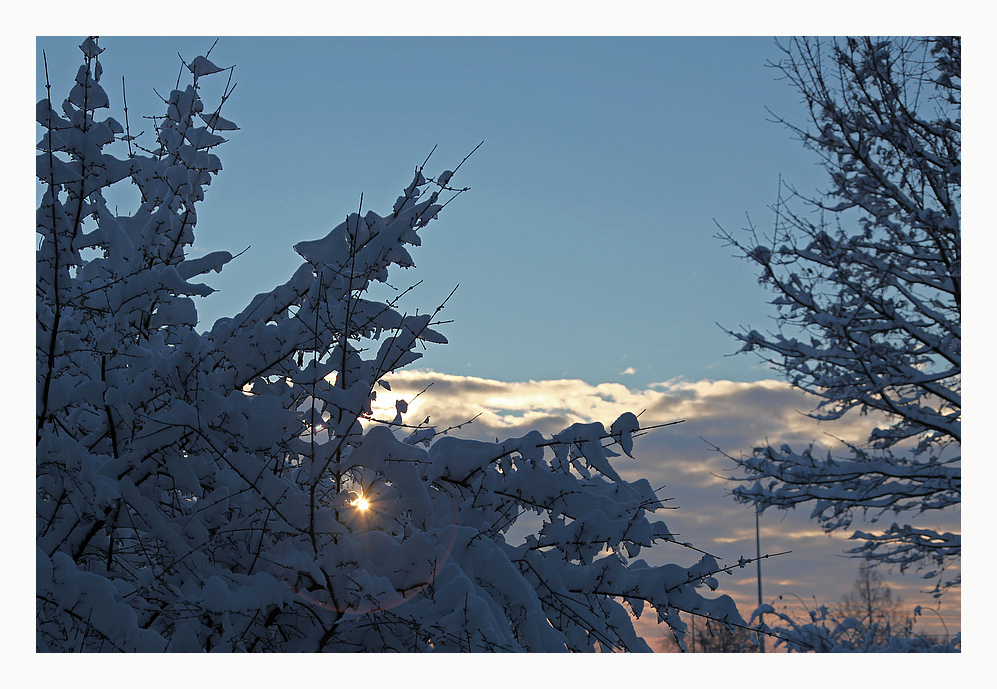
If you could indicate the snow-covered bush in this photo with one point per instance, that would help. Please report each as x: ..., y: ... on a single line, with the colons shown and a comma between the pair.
x: 232, y: 489
x: 826, y: 633
x: 868, y: 287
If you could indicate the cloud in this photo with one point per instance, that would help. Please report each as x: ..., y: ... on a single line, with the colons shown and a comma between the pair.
x: 628, y: 371
x: 684, y: 460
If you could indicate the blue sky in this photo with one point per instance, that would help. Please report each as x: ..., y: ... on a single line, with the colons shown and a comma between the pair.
x: 585, y: 248
x: 586, y: 245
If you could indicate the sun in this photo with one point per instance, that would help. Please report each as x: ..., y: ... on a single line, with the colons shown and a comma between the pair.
x: 361, y: 504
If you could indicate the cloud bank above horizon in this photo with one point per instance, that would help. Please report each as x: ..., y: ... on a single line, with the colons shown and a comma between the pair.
x: 689, y: 460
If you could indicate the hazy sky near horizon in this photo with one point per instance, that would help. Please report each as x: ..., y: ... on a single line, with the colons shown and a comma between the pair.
x: 585, y: 250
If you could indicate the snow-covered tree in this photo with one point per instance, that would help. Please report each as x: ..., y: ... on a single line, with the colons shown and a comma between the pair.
x: 868, y: 284
x: 232, y: 489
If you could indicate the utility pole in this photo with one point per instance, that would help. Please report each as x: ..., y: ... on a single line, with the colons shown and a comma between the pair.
x: 758, y: 562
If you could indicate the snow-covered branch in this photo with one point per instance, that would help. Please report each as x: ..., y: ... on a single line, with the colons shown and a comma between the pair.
x: 231, y: 490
